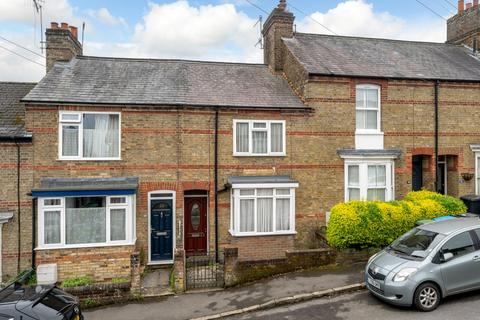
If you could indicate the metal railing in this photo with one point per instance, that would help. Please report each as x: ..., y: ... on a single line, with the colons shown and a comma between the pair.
x: 203, y: 270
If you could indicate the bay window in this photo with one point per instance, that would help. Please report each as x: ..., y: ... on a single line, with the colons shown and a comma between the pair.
x: 263, y: 211
x: 372, y: 180
x: 85, y: 221
x: 258, y: 138
x: 89, y: 135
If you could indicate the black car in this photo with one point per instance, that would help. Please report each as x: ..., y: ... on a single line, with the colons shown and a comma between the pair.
x: 19, y: 301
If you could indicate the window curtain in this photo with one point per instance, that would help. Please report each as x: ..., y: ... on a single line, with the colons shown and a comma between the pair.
x: 85, y: 225
x: 283, y: 214
x: 376, y: 183
x: 69, y: 141
x: 247, y: 215
x: 100, y: 135
x: 242, y: 137
x: 117, y: 224
x: 277, y: 137
x: 51, y: 227
x: 264, y: 215
x: 354, y: 182
x: 259, y: 142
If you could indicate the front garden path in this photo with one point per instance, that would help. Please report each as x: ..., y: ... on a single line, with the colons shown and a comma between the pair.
x: 197, y: 304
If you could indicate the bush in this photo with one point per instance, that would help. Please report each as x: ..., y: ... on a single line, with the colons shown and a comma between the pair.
x: 76, y: 282
x: 363, y: 224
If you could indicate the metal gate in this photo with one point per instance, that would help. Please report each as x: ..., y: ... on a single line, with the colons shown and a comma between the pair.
x: 204, y: 270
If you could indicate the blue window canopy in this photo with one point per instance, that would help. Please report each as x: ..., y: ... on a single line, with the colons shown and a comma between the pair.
x: 84, y: 187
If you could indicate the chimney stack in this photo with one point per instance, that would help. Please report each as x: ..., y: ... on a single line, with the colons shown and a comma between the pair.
x: 278, y: 25
x: 468, y: 6
x: 475, y: 3
x: 62, y: 43
x: 461, y: 6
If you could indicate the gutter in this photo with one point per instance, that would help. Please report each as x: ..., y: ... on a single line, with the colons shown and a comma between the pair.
x: 167, y: 105
x: 392, y: 77
x: 437, y: 173
x: 216, y: 182
x: 27, y: 138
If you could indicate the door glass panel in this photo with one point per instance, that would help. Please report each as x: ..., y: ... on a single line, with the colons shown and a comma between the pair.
x: 459, y: 245
x: 195, y: 217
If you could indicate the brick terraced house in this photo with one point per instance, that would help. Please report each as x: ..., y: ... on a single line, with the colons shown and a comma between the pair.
x: 174, y: 157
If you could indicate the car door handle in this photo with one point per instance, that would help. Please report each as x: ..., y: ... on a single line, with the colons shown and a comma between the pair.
x: 476, y: 258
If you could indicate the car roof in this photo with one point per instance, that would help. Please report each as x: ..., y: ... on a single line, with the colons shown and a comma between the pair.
x: 447, y: 227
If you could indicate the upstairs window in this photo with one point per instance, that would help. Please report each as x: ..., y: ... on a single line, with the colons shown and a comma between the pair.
x: 368, y: 108
x: 258, y: 138
x: 85, y: 135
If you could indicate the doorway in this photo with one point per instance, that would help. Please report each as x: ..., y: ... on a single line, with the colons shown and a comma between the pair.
x: 161, y: 217
x: 196, y: 222
x: 442, y: 175
x: 417, y: 173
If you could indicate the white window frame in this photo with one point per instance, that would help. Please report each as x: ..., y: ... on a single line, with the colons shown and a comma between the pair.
x: 250, y: 138
x: 235, y: 208
x: 130, y: 236
x: 79, y: 124
x: 363, y: 177
x: 365, y: 108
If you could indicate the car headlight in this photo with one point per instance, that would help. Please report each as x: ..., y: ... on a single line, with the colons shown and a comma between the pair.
x: 403, y: 274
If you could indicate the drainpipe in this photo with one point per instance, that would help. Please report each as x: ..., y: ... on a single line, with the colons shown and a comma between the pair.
x: 34, y: 230
x: 437, y: 177
x: 18, y: 206
x: 216, y: 182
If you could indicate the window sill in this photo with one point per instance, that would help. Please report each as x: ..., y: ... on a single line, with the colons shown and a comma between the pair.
x: 259, y: 155
x: 82, y: 246
x: 369, y: 132
x: 89, y: 159
x: 257, y: 234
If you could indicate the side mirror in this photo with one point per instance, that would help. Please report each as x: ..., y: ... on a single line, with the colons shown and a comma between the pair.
x: 447, y: 256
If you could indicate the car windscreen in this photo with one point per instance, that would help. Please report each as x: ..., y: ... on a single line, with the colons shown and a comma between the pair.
x: 416, y: 242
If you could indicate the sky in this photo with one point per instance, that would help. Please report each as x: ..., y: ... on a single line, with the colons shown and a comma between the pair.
x: 214, y: 30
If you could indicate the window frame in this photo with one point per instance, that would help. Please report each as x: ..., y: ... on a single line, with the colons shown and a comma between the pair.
x: 363, y: 177
x: 235, y: 198
x: 130, y: 236
x: 365, y: 108
x: 268, y: 129
x: 79, y: 124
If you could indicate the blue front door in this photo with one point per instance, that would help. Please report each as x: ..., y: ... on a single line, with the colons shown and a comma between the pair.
x: 161, y: 230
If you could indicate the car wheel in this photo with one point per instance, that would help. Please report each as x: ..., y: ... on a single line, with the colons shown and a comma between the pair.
x: 427, y: 297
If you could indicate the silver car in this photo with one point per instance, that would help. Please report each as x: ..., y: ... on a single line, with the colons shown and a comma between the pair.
x: 428, y: 263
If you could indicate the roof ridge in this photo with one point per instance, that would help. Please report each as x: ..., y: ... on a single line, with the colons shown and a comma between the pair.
x: 374, y: 38
x: 171, y: 60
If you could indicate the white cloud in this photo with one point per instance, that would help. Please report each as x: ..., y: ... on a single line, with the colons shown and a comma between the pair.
x: 182, y: 30
x: 104, y: 16
x: 23, y: 11
x: 358, y: 18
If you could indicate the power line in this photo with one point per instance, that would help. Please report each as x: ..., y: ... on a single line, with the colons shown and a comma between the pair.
x: 450, y: 3
x: 24, y: 48
x: 22, y: 56
x: 258, y: 7
x: 431, y: 10
x: 311, y: 18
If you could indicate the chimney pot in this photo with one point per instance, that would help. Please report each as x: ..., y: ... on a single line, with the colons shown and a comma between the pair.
x: 469, y: 5
x: 54, y: 25
x: 74, y: 31
x: 282, y: 5
x: 461, y: 6
x: 64, y: 25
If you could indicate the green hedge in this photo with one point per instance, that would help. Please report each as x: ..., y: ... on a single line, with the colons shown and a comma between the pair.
x: 363, y: 224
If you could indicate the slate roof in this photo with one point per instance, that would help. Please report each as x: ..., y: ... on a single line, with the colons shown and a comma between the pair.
x: 12, y: 111
x: 259, y: 179
x: 99, y: 80
x: 58, y: 184
x: 369, y: 57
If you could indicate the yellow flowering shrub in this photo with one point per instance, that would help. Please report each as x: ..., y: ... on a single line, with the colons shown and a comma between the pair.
x: 362, y: 224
